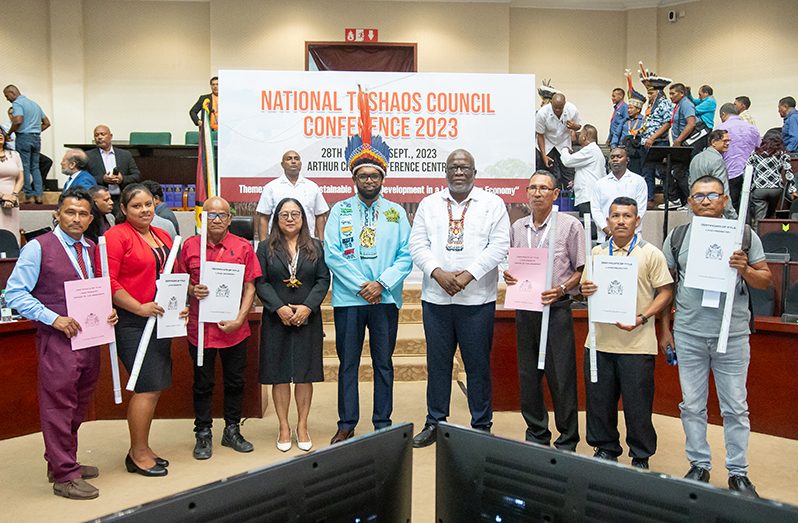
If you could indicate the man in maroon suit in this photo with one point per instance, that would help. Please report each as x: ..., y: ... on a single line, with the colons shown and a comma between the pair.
x: 66, y: 377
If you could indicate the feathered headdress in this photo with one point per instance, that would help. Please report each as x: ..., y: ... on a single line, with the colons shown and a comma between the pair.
x: 546, y: 91
x: 364, y: 149
x: 653, y: 79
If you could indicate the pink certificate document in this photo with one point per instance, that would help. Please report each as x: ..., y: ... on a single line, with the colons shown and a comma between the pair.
x: 89, y: 303
x: 528, y: 266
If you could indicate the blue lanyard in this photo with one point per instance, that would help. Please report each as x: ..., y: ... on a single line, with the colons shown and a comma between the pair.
x: 631, y: 245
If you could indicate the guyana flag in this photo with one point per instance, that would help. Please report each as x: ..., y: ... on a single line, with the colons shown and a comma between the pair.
x: 207, y: 181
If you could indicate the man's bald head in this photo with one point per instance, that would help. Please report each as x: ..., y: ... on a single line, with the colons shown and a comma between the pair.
x: 558, y: 104
x: 216, y: 204
x: 103, y: 137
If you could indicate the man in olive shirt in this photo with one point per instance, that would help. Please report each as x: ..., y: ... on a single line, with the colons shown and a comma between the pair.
x: 625, y: 354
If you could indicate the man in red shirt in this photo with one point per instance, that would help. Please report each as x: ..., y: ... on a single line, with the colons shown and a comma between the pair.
x: 227, y: 338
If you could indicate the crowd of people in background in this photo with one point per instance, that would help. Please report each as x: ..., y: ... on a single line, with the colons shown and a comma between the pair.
x: 366, y: 246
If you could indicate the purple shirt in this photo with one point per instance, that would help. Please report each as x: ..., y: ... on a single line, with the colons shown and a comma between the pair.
x: 744, y: 140
x: 569, y: 245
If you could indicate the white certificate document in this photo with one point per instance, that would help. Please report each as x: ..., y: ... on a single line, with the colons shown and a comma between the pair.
x: 225, y: 281
x: 615, y: 300
x: 711, y: 246
x: 172, y: 291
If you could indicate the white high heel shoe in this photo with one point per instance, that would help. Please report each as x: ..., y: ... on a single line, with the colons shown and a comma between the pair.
x: 284, y: 446
x: 303, y: 445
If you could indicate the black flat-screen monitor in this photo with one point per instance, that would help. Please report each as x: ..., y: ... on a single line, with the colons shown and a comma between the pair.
x: 365, y: 479
x: 481, y: 477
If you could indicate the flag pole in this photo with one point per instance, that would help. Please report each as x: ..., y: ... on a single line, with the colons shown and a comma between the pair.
x: 203, y: 259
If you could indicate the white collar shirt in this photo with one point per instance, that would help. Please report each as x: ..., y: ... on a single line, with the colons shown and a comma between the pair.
x: 555, y: 133
x: 486, y: 241
x: 608, y: 188
x: 109, y: 162
x: 590, y: 166
x: 306, y: 191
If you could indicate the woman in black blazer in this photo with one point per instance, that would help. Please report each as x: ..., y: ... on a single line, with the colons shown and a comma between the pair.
x: 294, y: 283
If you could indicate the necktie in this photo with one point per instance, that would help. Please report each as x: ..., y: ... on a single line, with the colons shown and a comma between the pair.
x: 81, y: 263
x: 69, y: 182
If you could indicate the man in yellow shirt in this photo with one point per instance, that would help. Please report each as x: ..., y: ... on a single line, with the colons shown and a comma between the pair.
x: 625, y: 354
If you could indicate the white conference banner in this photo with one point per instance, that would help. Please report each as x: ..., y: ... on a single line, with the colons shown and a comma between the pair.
x: 422, y: 116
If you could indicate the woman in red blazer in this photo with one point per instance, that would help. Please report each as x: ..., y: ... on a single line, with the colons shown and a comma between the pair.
x: 137, y: 253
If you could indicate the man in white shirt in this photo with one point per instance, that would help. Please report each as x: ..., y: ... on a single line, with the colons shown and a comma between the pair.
x: 619, y: 182
x: 590, y: 166
x: 292, y: 185
x: 553, y: 125
x: 459, y: 237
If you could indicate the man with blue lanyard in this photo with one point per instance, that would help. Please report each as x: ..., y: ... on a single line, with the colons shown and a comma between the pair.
x: 625, y: 354
x: 66, y: 377
x: 366, y: 249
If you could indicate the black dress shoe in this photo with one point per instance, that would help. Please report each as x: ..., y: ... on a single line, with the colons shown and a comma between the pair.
x: 342, y: 435
x: 426, y: 437
x: 640, y: 463
x: 743, y: 485
x: 203, y: 448
x: 155, y: 471
x: 605, y: 454
x: 162, y: 462
x: 698, y: 474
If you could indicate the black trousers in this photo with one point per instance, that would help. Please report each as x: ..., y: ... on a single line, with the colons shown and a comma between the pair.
x: 564, y: 174
x: 629, y: 377
x: 234, y: 361
x: 584, y: 208
x: 560, y: 372
x: 736, y: 192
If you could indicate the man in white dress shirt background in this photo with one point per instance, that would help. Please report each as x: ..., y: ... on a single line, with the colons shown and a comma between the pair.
x: 619, y: 182
x: 590, y: 166
x: 459, y: 237
x: 111, y: 166
x: 292, y: 185
x: 554, y: 123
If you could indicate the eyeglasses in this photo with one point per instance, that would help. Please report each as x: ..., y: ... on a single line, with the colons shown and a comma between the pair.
x: 220, y: 215
x: 374, y: 177
x: 462, y: 168
x: 699, y: 196
x: 542, y: 189
x: 294, y: 215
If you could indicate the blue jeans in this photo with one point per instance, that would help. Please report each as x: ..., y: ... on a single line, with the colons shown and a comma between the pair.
x: 470, y: 327
x: 29, y: 145
x: 382, y: 321
x: 697, y: 356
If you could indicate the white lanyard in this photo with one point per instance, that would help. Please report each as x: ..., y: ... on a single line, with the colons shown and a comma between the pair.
x: 73, y: 256
x: 542, y: 240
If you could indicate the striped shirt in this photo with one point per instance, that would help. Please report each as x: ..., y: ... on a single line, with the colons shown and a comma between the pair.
x: 767, y: 171
x: 569, y: 246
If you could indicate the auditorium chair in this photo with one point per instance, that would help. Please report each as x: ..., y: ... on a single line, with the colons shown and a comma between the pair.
x: 192, y: 137
x: 763, y: 301
x: 142, y: 138
x: 9, y: 244
x: 791, y: 301
x: 781, y: 241
x: 243, y: 226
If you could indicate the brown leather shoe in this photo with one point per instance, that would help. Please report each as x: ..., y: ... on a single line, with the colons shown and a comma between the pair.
x: 76, y: 489
x: 342, y: 435
x: 86, y: 472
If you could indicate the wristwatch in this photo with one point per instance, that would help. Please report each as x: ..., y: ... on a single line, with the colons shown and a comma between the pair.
x: 643, y: 319
x: 564, y: 290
